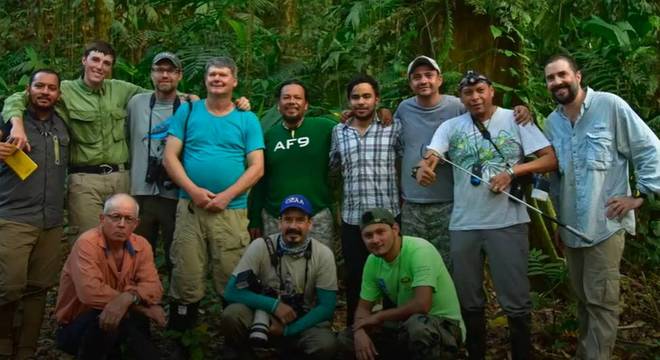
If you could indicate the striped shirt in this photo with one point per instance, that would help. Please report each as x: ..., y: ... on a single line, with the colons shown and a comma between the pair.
x: 368, y: 166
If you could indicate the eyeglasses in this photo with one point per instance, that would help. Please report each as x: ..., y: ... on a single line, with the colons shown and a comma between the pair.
x: 161, y: 71
x: 117, y: 218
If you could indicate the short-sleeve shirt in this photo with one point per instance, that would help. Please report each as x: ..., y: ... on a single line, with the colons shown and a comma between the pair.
x: 321, y: 269
x: 476, y: 207
x: 418, y: 264
x: 215, y: 149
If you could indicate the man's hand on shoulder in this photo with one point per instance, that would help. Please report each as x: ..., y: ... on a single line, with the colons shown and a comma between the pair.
x: 114, y: 311
x: 385, y: 116
x: 276, y: 327
x: 243, y: 104
x: 522, y: 115
x: 6, y: 149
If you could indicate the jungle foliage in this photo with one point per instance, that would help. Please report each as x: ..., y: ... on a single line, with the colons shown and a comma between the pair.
x: 326, y: 42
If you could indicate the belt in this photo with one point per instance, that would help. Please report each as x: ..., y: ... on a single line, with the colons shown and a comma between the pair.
x: 103, y: 169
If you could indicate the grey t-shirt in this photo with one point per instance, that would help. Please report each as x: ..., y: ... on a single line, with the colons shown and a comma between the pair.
x: 322, y: 272
x: 418, y: 124
x: 476, y: 207
x: 138, y: 123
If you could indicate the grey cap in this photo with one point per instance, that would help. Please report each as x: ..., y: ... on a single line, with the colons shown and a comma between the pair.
x: 167, y: 56
x: 422, y: 60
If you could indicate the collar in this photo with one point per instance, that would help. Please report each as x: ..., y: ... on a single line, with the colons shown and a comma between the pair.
x: 376, y: 120
x: 128, y: 244
x: 33, y: 115
x: 586, y: 104
x: 302, y: 121
x: 81, y: 84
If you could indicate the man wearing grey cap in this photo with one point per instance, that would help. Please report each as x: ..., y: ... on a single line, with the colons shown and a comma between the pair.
x: 426, y: 210
x: 153, y: 190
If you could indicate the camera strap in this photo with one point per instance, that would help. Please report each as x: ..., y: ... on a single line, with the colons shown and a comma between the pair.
x: 486, y: 135
x: 152, y: 104
x: 275, y: 254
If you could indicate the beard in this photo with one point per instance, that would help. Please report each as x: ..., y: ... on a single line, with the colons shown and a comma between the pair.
x: 571, y: 93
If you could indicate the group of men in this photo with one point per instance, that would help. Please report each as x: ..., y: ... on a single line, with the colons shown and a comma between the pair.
x: 192, y: 164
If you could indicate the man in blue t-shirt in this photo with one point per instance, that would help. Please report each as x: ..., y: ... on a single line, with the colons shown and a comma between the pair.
x: 214, y: 153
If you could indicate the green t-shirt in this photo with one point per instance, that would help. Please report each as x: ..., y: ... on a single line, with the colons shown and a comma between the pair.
x: 418, y: 264
x: 296, y: 162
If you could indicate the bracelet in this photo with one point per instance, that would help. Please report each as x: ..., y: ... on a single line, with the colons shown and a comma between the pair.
x: 509, y: 170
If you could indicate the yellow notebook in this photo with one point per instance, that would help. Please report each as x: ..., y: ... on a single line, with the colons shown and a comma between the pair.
x: 22, y: 165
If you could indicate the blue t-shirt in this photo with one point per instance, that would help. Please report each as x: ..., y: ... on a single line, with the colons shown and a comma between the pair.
x: 215, y: 149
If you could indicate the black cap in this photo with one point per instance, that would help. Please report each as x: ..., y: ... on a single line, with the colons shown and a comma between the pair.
x: 376, y: 216
x: 167, y: 56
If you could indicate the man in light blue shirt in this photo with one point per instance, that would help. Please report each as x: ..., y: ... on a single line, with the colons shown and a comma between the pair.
x: 595, y: 136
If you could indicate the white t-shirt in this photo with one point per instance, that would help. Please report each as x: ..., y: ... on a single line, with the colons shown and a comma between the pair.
x: 476, y: 207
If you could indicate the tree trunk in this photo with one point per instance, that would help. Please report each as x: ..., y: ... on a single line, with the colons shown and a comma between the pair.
x: 103, y: 19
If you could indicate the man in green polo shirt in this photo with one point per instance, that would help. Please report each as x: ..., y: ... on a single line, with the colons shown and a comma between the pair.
x: 421, y: 316
x: 296, y: 161
x: 94, y: 108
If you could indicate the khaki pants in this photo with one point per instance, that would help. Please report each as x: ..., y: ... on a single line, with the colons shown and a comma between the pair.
x: 29, y: 264
x: 205, y: 239
x: 317, y: 342
x: 323, y: 227
x: 87, y: 193
x: 594, y: 275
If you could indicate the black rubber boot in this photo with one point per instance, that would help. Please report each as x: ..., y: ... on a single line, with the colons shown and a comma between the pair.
x: 520, y: 336
x: 475, y: 339
x: 183, y: 318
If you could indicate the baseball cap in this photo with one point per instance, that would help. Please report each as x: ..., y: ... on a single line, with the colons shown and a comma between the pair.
x: 422, y: 60
x: 167, y: 56
x: 376, y: 216
x: 296, y: 201
x: 472, y: 77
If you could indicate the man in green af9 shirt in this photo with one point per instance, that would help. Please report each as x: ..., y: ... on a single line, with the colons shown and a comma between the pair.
x: 421, y: 317
x: 296, y: 161
x: 94, y: 108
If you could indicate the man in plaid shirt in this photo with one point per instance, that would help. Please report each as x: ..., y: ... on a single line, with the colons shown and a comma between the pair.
x: 365, y: 150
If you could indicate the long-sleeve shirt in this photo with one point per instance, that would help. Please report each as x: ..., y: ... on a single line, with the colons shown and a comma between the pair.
x: 368, y: 166
x: 96, y: 119
x: 90, y: 278
x: 594, y: 155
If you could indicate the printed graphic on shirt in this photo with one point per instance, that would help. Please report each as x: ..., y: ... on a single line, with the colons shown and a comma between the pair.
x: 468, y: 149
x: 300, y: 142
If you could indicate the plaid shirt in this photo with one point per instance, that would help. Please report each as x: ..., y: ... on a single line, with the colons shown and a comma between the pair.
x: 368, y: 166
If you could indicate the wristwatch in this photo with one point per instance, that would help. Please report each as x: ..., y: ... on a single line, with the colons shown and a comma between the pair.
x: 413, y: 173
x: 509, y: 170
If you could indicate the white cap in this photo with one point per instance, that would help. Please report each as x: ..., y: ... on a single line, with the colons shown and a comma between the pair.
x: 422, y: 60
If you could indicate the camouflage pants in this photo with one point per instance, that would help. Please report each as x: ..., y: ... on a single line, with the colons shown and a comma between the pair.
x: 429, y: 222
x: 323, y: 227
x: 419, y: 337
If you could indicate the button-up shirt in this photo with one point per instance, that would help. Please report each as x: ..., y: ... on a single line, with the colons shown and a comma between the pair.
x: 96, y: 119
x: 594, y: 155
x: 368, y: 166
x: 39, y: 199
x: 90, y: 278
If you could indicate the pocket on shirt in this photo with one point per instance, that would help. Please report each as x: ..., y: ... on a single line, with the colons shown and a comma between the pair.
x: 84, y: 128
x: 598, y: 152
x: 118, y: 118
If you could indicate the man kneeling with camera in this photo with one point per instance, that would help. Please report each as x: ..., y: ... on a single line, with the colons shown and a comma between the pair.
x: 283, y: 291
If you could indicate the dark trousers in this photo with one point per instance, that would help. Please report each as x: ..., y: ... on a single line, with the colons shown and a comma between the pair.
x: 355, y: 255
x: 157, y: 216
x: 85, y: 339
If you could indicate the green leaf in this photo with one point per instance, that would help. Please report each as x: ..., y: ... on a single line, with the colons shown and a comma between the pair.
x: 495, y: 31
x: 610, y: 32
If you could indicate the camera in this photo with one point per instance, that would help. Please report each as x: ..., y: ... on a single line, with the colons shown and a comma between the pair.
x: 156, y: 173
x: 258, y: 335
x: 518, y: 186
